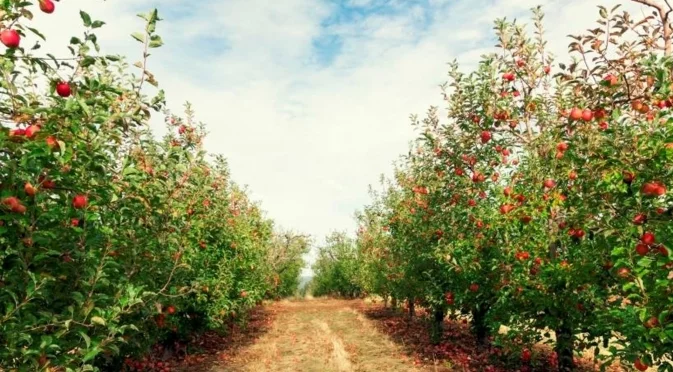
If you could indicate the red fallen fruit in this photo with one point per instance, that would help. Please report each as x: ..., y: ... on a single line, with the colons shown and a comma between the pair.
x: 525, y: 355
x: 485, y: 136
x: 575, y: 114
x: 639, y: 219
x: 587, y: 115
x: 474, y: 287
x: 642, y: 249
x: 10, y: 38
x: 639, y: 365
x: 63, y: 89
x: 80, y: 201
x: 47, y: 6
x: 648, y: 238
x: 653, y: 188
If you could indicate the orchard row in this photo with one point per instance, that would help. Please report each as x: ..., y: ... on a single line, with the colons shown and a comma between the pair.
x: 114, y: 241
x: 542, y: 203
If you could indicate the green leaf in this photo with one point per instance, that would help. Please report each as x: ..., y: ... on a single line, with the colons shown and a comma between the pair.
x: 155, y: 41
x: 98, y: 320
x: 36, y: 32
x: 86, y: 18
x: 97, y: 24
x: 91, y: 354
x: 138, y: 36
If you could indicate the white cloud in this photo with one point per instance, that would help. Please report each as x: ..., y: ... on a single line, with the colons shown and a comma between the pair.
x: 308, y: 137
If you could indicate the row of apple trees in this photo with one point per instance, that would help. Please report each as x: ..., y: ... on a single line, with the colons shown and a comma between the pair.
x: 110, y: 239
x: 542, y: 201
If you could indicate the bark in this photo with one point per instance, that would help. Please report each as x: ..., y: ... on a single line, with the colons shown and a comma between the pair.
x: 437, y: 326
x: 565, y: 347
x: 412, y: 307
x: 393, y: 303
x: 479, y: 325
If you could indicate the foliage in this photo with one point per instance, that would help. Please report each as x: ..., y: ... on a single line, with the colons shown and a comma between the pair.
x: 111, y: 239
x: 336, y: 268
x: 543, y: 203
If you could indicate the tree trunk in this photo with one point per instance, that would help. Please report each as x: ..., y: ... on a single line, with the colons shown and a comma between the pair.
x: 565, y: 347
x: 393, y: 303
x: 385, y: 302
x: 479, y: 325
x: 437, y: 326
x: 412, y: 307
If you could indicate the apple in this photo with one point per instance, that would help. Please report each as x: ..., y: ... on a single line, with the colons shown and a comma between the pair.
x: 587, y: 115
x: 642, y: 249
x: 474, y: 287
x: 653, y: 188
x: 10, y: 201
x: 29, y: 189
x: 652, y: 322
x: 603, y: 125
x: 47, y: 6
x: 10, y: 38
x: 459, y: 172
x: 639, y: 365
x: 611, y: 79
x: 507, y: 191
x: 639, y: 219
x: 170, y: 309
x: 623, y: 272
x: 628, y: 177
x: 525, y: 355
x: 448, y: 297
x: 508, y: 76
x: 244, y: 294
x: 520, y: 63
x: 562, y: 146
x: 600, y: 114
x: 526, y: 219
x: 572, y: 175
x: 485, y: 136
x: 32, y: 130
x: 549, y: 183
x: 472, y: 203
x: 80, y: 201
x: 51, y: 142
x: 547, y: 69
x: 63, y: 89
x: 648, y: 238
x: 575, y: 114
x: 182, y: 129
x: 506, y: 208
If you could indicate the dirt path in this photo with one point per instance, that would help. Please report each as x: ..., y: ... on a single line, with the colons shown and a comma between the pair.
x: 321, y: 336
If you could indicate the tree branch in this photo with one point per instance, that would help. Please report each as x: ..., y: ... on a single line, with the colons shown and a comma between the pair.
x: 664, y: 14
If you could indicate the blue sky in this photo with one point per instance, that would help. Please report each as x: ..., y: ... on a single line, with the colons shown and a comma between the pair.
x: 310, y: 99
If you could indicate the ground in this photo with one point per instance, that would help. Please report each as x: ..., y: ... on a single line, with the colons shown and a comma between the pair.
x: 330, y: 335
x: 318, y: 335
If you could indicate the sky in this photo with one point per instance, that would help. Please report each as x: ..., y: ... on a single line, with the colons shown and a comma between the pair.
x: 310, y: 99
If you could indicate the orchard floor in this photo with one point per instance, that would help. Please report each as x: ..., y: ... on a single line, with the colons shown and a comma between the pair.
x: 326, y: 335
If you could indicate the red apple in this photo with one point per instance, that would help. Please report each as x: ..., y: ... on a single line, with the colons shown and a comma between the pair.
x: 525, y: 355
x: 506, y: 208
x: 610, y: 79
x: 507, y: 191
x: 63, y: 89
x: 653, y: 188
x: 32, y: 130
x: 562, y: 146
x: 29, y: 189
x: 642, y: 249
x: 648, y: 238
x: 508, y: 76
x: 549, y: 183
x: 52, y: 142
x: 587, y: 115
x: 485, y: 136
x: 639, y: 365
x: 10, y: 38
x: 474, y: 287
x: 47, y: 6
x: 170, y: 309
x: 603, y: 125
x: 575, y: 114
x: 547, y: 69
x: 639, y: 219
x: 572, y: 175
x: 80, y: 201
